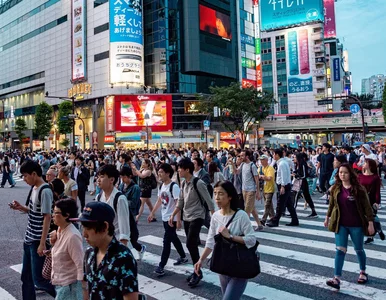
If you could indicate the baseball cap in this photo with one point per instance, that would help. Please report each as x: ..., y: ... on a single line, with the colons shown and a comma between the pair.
x: 367, y: 147
x: 263, y: 157
x: 96, y: 212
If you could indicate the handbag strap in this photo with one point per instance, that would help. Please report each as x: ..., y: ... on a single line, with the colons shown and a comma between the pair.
x: 230, y: 221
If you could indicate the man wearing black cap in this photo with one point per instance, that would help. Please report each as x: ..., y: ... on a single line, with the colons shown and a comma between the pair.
x: 326, y: 167
x: 81, y: 175
x: 110, y: 270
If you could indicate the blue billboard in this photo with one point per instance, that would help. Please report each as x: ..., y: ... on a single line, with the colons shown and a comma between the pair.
x: 277, y: 14
x: 336, y: 68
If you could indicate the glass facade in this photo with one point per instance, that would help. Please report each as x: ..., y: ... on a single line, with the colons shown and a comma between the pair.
x: 281, y: 71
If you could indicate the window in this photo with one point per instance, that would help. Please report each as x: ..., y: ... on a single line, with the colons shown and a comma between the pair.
x: 101, y: 28
x: 99, y: 2
x: 100, y: 56
x: 22, y: 80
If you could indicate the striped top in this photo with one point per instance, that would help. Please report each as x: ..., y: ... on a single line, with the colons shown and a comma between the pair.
x: 37, y: 209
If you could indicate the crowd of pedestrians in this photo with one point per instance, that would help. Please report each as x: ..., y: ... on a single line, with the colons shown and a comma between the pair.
x: 194, y: 189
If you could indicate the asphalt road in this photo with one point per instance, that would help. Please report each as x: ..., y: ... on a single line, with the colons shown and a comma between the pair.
x: 295, y: 262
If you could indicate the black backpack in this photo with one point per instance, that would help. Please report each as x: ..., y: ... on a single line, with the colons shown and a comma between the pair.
x: 203, y: 203
x: 153, y: 182
x: 170, y: 188
x: 133, y: 223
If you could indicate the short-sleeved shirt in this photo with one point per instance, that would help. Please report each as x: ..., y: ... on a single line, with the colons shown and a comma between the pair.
x: 169, y: 201
x: 115, y: 276
x: 326, y: 163
x: 248, y: 181
x: 37, y: 209
x: 269, y: 186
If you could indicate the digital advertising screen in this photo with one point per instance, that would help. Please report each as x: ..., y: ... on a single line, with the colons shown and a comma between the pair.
x: 133, y: 112
x: 277, y: 14
x: 215, y: 22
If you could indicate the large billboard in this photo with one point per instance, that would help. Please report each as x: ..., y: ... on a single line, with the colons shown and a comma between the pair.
x: 133, y: 112
x: 277, y: 14
x: 78, y: 40
x: 126, y: 42
x: 215, y: 22
x: 329, y: 19
x: 300, y: 69
x: 259, y: 70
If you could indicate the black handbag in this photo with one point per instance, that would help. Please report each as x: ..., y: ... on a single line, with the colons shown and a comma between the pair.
x: 234, y: 259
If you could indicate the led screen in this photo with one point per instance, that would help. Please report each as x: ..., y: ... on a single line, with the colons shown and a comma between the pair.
x: 133, y: 113
x: 215, y: 22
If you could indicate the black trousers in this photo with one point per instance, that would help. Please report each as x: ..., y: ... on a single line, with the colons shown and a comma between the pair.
x: 82, y: 199
x: 324, y: 179
x: 134, y: 235
x: 285, y: 201
x: 192, y: 231
x: 170, y: 237
x: 306, y: 194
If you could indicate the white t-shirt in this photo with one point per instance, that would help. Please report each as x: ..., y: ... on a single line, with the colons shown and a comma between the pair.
x: 169, y: 201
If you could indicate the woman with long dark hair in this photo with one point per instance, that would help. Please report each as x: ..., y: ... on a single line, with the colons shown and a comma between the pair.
x: 301, y: 172
x: 6, y: 173
x: 372, y: 183
x: 349, y: 213
x: 214, y: 174
x: 239, y: 230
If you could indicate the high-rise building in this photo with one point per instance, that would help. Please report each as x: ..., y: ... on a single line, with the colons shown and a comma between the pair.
x: 374, y: 86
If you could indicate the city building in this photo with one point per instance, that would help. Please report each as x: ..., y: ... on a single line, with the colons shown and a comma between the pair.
x: 137, y: 52
x: 374, y: 86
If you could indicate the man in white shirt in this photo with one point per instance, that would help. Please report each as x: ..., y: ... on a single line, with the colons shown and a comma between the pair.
x: 283, y: 181
x: 107, y: 178
x: 367, y: 153
x: 167, y: 197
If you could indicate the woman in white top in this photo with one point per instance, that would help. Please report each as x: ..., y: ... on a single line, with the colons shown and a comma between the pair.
x: 239, y: 230
x: 214, y: 174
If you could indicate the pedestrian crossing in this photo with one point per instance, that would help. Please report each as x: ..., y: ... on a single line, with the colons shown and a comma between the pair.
x: 295, y: 264
x: 16, y: 178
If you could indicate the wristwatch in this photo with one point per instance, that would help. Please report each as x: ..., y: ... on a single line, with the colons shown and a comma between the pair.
x: 231, y: 237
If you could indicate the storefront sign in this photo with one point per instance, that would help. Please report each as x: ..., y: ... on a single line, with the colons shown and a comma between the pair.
x: 191, y: 107
x: 80, y: 89
x: 78, y: 35
x: 109, y: 114
x: 109, y: 139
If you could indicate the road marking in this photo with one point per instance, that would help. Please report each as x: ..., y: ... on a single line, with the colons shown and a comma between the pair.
x: 263, y: 292
x: 4, y: 295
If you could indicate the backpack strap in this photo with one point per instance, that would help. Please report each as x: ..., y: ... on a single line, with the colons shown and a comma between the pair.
x: 161, y: 185
x: 29, y: 197
x: 171, y: 188
x: 230, y: 221
x: 98, y: 197
x: 195, y: 180
x: 115, y: 203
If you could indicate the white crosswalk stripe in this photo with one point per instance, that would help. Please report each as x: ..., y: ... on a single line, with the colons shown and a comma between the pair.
x: 301, y: 255
x: 16, y: 178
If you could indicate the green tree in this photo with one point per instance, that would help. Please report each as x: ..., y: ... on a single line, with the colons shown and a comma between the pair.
x: 64, y: 123
x: 367, y: 100
x: 43, y: 120
x: 65, y: 143
x: 239, y: 107
x: 20, y: 127
x: 384, y: 104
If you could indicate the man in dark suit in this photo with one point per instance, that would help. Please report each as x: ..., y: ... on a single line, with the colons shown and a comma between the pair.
x: 81, y: 175
x: 351, y: 156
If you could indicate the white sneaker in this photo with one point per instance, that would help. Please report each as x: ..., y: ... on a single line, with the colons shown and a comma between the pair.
x: 142, y: 252
x: 324, y: 197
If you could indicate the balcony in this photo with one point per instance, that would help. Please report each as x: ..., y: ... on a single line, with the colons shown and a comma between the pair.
x: 319, y: 84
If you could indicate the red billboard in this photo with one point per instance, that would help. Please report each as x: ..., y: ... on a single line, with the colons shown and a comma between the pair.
x: 329, y: 19
x: 133, y: 112
x: 215, y: 22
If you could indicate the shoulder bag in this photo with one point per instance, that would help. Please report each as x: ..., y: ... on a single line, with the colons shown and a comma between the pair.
x: 234, y: 259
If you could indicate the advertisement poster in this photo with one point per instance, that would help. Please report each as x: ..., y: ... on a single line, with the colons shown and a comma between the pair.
x: 277, y: 14
x: 215, y: 22
x: 299, y: 62
x: 78, y: 34
x: 109, y: 114
x: 336, y: 67
x: 259, y: 70
x: 329, y: 19
x: 133, y: 112
x: 126, y: 42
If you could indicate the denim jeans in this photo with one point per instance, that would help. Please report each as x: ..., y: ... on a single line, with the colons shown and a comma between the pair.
x: 170, y: 237
x: 69, y: 292
x: 232, y: 288
x: 192, y: 231
x: 5, y: 178
x: 31, y: 274
x: 312, y: 183
x: 341, y: 240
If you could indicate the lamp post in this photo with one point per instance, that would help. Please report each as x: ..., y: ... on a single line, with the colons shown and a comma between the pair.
x: 147, y: 117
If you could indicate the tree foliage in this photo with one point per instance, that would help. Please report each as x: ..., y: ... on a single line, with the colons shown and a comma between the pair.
x: 65, y: 124
x: 43, y: 120
x: 239, y: 107
x: 65, y: 143
x: 20, y: 127
x: 384, y: 104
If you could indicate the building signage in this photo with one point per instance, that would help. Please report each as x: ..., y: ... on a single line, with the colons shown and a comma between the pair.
x: 336, y: 66
x: 248, y: 63
x: 80, y: 89
x: 259, y: 70
x: 329, y: 19
x: 192, y: 107
x: 126, y: 42
x: 277, y: 14
x: 109, y: 140
x: 298, y: 56
x: 246, y: 39
x: 78, y: 44
x: 109, y: 114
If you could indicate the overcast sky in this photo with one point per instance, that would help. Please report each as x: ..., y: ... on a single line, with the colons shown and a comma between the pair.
x: 361, y: 27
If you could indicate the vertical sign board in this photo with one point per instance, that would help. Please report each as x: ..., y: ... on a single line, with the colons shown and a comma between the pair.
x: 78, y: 40
x: 336, y: 68
x: 109, y: 114
x: 259, y: 71
x: 329, y: 19
x: 126, y: 42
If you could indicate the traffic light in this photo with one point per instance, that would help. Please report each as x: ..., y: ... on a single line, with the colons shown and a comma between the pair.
x: 87, y: 138
x: 202, y: 136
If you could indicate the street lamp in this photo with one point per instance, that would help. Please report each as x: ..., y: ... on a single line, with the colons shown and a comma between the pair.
x: 147, y: 118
